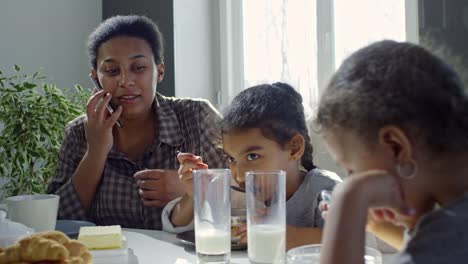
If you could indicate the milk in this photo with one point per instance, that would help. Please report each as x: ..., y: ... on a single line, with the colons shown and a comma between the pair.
x: 212, y: 242
x: 266, y: 243
x: 372, y: 259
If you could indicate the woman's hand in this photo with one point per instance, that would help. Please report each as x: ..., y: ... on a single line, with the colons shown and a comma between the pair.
x: 158, y: 187
x: 188, y: 163
x: 99, y: 123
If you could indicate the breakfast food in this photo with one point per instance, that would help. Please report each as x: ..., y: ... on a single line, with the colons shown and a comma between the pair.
x: 101, y: 237
x: 238, y: 229
x: 46, y: 247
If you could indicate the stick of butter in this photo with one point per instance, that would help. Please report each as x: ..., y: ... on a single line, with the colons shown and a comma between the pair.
x: 101, y: 237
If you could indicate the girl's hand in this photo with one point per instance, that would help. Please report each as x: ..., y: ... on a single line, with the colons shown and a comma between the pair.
x: 384, y: 202
x: 383, y: 193
x: 325, y: 202
x: 99, y: 123
x: 375, y: 216
x: 348, y: 216
x: 188, y: 163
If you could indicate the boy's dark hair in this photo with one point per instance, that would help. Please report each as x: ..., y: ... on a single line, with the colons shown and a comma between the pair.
x: 276, y: 110
x: 131, y: 26
x: 402, y: 84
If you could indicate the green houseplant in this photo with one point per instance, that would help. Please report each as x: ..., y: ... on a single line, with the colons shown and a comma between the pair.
x: 33, y: 115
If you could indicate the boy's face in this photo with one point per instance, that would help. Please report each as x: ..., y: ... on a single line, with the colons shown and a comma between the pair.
x: 251, y: 150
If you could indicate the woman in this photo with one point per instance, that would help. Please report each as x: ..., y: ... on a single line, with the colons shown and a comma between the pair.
x: 125, y: 175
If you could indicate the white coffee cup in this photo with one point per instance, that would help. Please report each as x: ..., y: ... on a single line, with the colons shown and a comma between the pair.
x: 37, y: 211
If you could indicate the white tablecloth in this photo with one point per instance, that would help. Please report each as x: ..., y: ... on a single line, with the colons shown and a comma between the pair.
x: 152, y: 246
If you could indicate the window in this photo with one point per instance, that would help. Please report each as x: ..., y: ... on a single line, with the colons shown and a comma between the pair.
x: 280, y: 37
x: 361, y: 22
x: 280, y: 44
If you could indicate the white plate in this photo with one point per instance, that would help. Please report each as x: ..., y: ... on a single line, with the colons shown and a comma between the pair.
x: 117, y: 255
x: 71, y: 228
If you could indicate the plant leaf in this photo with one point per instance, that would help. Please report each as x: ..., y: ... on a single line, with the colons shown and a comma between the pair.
x: 34, y: 114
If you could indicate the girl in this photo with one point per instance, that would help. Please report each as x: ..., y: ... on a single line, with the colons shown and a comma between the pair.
x: 396, y: 117
x: 265, y: 129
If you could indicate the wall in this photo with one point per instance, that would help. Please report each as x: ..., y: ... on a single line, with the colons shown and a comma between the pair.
x: 196, y: 40
x: 50, y: 36
x: 191, y: 34
x: 161, y: 12
x: 444, y: 29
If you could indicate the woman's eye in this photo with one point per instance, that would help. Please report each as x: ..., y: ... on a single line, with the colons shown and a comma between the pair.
x: 349, y: 172
x: 111, y: 71
x: 139, y: 68
x: 252, y: 156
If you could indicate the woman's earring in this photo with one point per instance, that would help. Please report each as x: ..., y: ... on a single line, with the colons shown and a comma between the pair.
x: 407, y: 170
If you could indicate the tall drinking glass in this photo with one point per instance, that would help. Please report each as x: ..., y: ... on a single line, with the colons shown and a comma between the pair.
x: 266, y: 216
x: 212, y: 209
x: 310, y: 254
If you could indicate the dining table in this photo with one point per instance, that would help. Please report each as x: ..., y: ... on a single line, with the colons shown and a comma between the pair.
x: 155, y: 246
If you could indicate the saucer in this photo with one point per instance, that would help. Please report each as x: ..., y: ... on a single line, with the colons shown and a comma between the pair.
x: 71, y: 228
x: 188, y: 238
x: 114, y: 256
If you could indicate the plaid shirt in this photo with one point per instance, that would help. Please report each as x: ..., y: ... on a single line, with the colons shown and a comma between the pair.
x: 188, y: 125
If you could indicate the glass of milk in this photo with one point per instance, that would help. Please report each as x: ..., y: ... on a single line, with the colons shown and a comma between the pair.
x: 266, y: 216
x: 212, y: 215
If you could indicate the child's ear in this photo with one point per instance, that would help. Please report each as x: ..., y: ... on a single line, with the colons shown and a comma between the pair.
x: 396, y: 142
x: 296, y: 147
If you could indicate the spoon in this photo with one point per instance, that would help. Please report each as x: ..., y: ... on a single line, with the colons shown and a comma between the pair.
x: 236, y: 188
x: 326, y: 196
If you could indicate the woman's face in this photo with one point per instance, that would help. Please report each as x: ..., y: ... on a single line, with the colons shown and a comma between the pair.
x: 126, y: 69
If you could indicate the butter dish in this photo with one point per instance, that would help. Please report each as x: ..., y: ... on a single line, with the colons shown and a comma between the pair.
x: 116, y: 255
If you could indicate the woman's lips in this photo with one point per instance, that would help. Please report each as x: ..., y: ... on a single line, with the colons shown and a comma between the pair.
x: 128, y: 99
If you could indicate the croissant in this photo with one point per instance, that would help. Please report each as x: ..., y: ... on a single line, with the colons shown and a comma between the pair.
x: 79, y: 254
x: 10, y: 254
x: 87, y: 257
x: 50, y: 247
x: 37, y: 248
x: 53, y: 235
x: 75, y: 248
